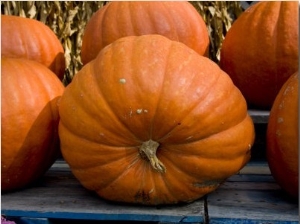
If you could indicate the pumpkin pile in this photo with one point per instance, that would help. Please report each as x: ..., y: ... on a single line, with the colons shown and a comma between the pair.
x: 150, y: 119
x: 29, y: 98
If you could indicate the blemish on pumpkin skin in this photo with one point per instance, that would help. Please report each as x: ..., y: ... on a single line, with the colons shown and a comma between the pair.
x: 281, y: 106
x: 287, y: 90
x: 278, y: 133
x: 139, y: 111
x: 151, y: 191
x: 280, y: 120
x: 189, y: 137
x: 141, y: 195
x: 122, y: 81
x: 211, y: 183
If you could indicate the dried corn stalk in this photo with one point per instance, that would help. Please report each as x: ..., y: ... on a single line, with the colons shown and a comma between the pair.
x: 68, y: 19
x: 218, y: 16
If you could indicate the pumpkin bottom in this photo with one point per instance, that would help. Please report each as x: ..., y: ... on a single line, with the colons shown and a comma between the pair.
x: 286, y: 179
x: 143, y: 197
x: 21, y: 175
x: 29, y: 164
x: 154, y: 187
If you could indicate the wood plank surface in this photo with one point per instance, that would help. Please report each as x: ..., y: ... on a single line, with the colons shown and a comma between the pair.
x: 259, y: 116
x: 60, y: 196
x: 252, y: 196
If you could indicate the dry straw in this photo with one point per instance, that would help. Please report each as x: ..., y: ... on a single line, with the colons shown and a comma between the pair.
x: 68, y: 19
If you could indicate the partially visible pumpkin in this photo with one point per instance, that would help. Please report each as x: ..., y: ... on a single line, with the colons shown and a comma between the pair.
x: 28, y: 38
x: 178, y: 21
x: 283, y: 137
x: 151, y: 121
x: 260, y: 51
x: 29, y: 121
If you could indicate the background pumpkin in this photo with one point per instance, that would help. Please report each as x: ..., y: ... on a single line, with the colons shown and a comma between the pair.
x: 29, y: 121
x: 145, y: 92
x: 178, y: 21
x: 31, y: 39
x: 283, y: 137
x: 260, y: 50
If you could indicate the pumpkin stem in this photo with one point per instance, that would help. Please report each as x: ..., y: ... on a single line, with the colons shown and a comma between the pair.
x: 149, y: 149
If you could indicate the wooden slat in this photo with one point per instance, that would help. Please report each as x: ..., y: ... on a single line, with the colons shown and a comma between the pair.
x: 251, y: 198
x: 259, y: 116
x: 59, y: 195
x: 256, y: 167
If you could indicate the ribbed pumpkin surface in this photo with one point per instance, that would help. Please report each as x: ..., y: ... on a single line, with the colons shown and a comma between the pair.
x: 260, y: 51
x: 29, y: 121
x: 28, y: 38
x: 148, y: 92
x: 283, y: 137
x: 178, y: 21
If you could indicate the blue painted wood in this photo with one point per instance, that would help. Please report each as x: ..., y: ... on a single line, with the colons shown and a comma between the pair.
x: 28, y: 220
x: 97, y: 216
x: 248, y: 221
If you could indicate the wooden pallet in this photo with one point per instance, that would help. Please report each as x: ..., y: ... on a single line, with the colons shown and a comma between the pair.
x: 251, y: 196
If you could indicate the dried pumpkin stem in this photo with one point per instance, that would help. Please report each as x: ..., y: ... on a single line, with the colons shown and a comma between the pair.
x: 149, y: 149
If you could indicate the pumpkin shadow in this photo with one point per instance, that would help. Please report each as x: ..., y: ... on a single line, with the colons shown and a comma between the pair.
x: 39, y: 150
x: 58, y: 65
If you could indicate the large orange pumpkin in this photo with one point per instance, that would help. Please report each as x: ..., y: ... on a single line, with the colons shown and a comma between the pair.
x: 178, y: 21
x: 283, y: 137
x: 28, y: 38
x: 260, y: 51
x: 151, y: 121
x: 29, y: 121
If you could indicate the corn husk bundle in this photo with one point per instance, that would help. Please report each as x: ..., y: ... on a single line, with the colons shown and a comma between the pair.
x: 68, y: 19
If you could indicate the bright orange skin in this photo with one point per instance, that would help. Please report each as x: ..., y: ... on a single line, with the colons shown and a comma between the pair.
x: 149, y: 87
x: 29, y: 121
x: 178, y: 21
x: 283, y: 137
x: 260, y: 51
x: 28, y: 38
